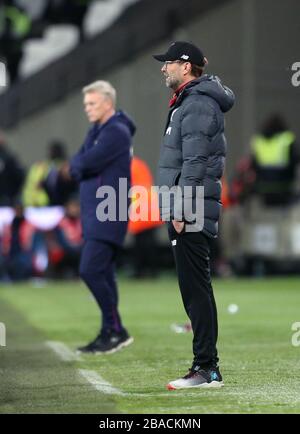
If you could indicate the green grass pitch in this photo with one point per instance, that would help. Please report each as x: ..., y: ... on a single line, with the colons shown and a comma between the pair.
x: 260, y: 366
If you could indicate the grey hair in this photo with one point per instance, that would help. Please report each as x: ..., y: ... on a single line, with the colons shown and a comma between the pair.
x: 102, y: 87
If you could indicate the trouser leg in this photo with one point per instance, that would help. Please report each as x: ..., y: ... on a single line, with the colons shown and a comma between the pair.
x: 191, y: 252
x: 97, y: 269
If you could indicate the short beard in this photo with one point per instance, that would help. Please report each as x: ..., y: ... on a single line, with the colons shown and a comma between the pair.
x: 172, y: 83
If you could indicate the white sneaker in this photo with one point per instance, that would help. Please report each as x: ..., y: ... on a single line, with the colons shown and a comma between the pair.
x: 197, y: 377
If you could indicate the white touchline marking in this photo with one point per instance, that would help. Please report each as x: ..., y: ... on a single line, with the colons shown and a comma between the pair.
x: 93, y: 377
x: 63, y: 352
x: 99, y: 383
x: 67, y: 355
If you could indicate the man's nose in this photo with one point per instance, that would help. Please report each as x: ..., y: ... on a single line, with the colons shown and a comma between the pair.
x: 163, y: 68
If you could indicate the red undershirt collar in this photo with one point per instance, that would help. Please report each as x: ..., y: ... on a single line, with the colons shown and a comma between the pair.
x: 177, y: 92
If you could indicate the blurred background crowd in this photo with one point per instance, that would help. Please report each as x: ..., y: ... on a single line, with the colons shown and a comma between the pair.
x: 29, y: 247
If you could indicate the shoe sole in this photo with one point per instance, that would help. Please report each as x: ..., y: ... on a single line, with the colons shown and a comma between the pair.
x: 118, y: 348
x: 212, y: 385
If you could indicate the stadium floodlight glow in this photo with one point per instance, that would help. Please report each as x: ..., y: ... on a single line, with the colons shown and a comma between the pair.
x: 2, y: 74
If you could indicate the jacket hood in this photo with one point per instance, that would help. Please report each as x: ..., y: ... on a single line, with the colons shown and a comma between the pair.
x: 120, y: 116
x: 211, y: 85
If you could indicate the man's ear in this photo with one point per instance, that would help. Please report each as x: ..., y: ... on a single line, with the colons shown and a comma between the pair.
x: 187, y: 68
x: 108, y: 103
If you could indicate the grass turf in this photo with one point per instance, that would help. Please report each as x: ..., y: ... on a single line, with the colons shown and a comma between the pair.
x: 259, y: 364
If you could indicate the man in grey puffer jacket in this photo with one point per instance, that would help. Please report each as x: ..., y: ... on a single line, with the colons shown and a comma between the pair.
x: 192, y: 161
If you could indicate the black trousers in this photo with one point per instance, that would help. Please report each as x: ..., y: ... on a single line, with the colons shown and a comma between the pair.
x: 192, y: 257
x: 97, y: 270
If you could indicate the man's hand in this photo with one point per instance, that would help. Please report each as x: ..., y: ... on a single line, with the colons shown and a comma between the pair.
x: 178, y: 226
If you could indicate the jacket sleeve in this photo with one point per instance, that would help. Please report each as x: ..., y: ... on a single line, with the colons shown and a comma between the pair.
x: 92, y: 161
x: 198, y: 126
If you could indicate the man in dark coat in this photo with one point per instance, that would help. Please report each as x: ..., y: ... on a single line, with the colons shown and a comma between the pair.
x: 103, y: 159
x: 192, y: 160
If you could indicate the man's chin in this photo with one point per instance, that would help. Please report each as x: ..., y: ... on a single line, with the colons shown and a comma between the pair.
x: 171, y: 85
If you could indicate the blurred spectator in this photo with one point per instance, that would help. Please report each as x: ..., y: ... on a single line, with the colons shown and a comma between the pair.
x: 36, y: 12
x: 21, y: 246
x: 11, y: 175
x: 59, y: 186
x: 242, y: 184
x: 3, y: 274
x: 144, y: 232
x: 65, y: 242
x: 15, y: 26
x: 274, y: 161
x: 219, y: 263
x: 43, y: 185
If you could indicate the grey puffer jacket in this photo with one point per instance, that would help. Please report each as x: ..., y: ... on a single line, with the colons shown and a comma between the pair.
x: 194, y: 147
